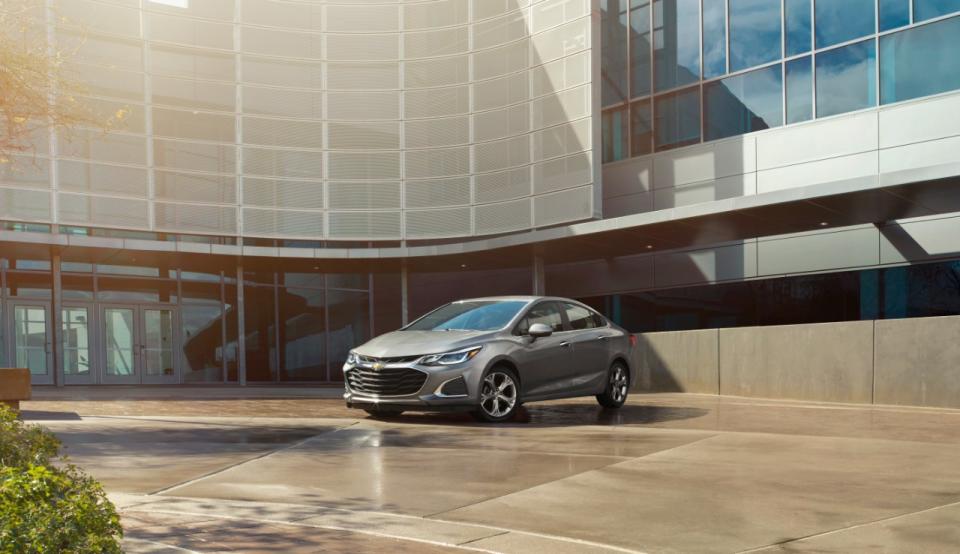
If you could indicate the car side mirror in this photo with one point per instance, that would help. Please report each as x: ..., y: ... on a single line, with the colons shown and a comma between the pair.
x: 538, y: 330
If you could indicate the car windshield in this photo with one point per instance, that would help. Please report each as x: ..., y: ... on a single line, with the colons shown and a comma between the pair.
x: 474, y: 315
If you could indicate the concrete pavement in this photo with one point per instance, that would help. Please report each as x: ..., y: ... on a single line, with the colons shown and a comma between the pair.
x: 669, y: 473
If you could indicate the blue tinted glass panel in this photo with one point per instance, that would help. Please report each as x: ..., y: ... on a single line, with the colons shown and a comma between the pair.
x: 641, y: 128
x: 842, y: 20
x: 614, y: 129
x: 799, y: 90
x: 676, y: 38
x: 798, y: 26
x: 894, y: 13
x: 920, y: 61
x: 845, y: 79
x: 677, y: 119
x: 928, y: 9
x: 613, y: 52
x: 754, y: 33
x: 639, y: 48
x: 714, y: 38
x: 744, y: 103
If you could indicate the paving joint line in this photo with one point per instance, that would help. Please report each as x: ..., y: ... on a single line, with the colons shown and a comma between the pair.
x: 849, y: 527
x: 434, y: 517
x: 248, y: 460
x: 302, y: 523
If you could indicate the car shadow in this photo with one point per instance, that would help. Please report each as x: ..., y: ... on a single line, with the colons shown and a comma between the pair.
x: 555, y: 414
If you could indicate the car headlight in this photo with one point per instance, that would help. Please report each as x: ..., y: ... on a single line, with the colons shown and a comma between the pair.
x: 451, y: 358
x: 352, y: 358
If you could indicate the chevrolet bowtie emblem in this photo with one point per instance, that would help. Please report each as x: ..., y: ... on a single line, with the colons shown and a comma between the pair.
x: 377, y: 366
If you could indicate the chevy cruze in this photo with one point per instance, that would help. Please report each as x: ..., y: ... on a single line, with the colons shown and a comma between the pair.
x: 490, y: 355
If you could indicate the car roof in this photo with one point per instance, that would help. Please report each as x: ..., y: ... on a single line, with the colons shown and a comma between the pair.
x: 521, y: 298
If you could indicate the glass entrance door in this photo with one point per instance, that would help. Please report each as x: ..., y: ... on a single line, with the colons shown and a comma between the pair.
x: 31, y: 340
x: 139, y: 344
x: 75, y: 344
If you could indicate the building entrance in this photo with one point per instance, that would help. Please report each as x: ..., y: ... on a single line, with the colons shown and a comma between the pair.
x: 138, y: 343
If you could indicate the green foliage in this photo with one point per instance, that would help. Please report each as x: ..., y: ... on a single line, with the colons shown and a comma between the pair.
x: 22, y: 444
x: 47, y: 508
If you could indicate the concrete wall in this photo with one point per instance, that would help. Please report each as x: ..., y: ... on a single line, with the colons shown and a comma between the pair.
x: 914, y: 362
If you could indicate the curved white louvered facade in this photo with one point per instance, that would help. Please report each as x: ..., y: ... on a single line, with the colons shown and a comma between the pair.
x: 331, y: 120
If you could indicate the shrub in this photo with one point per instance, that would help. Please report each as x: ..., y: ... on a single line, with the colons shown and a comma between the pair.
x: 47, y: 504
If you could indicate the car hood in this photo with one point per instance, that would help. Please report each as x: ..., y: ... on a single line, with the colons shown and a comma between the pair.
x: 417, y: 343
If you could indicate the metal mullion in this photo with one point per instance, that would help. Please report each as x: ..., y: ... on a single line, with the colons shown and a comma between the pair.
x: 241, y: 330
x: 910, y: 9
x: 700, y: 106
x: 652, y: 50
x: 629, y: 41
x: 276, y: 324
x: 783, y: 62
x: 726, y: 32
x: 813, y: 59
x: 223, y: 329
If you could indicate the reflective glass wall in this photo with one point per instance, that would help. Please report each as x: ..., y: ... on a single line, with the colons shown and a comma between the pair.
x: 922, y: 290
x: 680, y: 72
x: 103, y: 317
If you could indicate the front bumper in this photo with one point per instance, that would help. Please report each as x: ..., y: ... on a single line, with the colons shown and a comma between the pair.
x: 444, y: 388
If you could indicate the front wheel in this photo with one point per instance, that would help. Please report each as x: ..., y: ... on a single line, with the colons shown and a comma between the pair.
x: 618, y: 385
x: 499, y: 396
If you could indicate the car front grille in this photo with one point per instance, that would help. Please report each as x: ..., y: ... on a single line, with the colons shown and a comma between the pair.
x: 387, y: 381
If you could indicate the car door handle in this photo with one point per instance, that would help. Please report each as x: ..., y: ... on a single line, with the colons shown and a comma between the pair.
x: 565, y: 344
x: 603, y: 337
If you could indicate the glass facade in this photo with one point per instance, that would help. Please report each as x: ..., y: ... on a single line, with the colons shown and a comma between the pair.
x: 150, y: 319
x: 921, y: 290
x: 729, y: 67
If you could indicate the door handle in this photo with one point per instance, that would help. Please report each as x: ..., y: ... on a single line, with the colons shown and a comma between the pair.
x: 565, y: 344
x: 602, y: 337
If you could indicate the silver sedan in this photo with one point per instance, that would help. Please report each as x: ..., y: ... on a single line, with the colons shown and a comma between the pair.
x: 490, y: 355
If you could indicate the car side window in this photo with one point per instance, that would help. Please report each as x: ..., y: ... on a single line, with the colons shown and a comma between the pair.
x: 580, y: 317
x: 547, y: 313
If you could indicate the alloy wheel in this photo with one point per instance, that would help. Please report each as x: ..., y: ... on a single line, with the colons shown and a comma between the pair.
x: 498, y: 394
x: 618, y: 384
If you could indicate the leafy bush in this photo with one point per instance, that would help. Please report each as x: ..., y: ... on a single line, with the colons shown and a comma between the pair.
x: 47, y: 504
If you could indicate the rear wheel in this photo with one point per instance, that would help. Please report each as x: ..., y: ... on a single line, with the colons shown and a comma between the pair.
x: 618, y: 386
x: 499, y: 396
x: 383, y: 412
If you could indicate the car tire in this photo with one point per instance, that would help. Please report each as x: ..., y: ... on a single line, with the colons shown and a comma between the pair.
x: 379, y: 413
x: 617, y: 387
x: 499, y: 396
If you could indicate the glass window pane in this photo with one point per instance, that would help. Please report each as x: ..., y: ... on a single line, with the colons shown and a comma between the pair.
x: 613, y: 64
x: 614, y: 129
x: 349, y: 326
x: 894, y: 13
x: 639, y: 48
x: 677, y: 119
x: 75, y: 330
x: 676, y: 42
x: 918, y: 61
x: 714, y: 38
x: 202, y: 332
x: 302, y: 335
x: 843, y: 20
x: 845, y: 79
x: 641, y: 128
x: 928, y: 9
x: 754, y: 33
x: 118, y: 324
x: 799, y: 90
x: 798, y: 26
x: 744, y: 103
x: 259, y: 322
